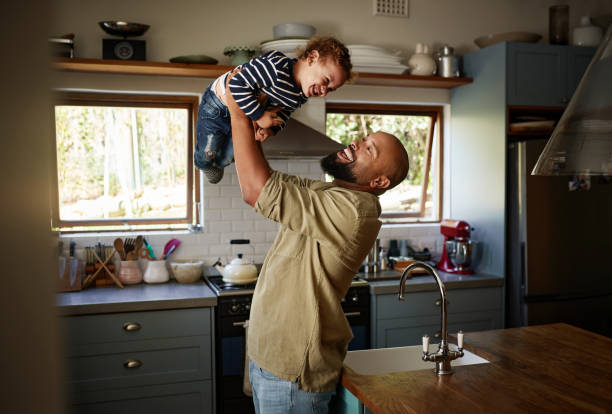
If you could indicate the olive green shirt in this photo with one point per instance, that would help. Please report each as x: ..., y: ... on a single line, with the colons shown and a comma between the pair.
x: 297, y: 329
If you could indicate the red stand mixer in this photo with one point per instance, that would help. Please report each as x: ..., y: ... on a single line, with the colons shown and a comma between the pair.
x: 457, y: 250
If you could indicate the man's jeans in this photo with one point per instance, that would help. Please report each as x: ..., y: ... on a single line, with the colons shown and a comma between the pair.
x: 272, y: 395
x: 213, y: 133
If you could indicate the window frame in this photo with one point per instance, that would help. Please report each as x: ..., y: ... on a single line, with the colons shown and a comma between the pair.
x: 436, y: 130
x: 189, y: 102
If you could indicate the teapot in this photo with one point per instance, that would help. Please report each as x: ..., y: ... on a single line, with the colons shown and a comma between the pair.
x: 238, y: 271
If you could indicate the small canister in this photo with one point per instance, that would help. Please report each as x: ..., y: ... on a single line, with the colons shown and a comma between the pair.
x: 448, y: 65
x: 129, y: 272
x: 156, y: 272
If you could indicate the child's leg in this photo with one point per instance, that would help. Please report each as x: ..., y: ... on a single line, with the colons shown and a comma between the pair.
x: 211, y: 134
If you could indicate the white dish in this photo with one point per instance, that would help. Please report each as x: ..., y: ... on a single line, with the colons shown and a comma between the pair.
x: 367, y: 48
x: 395, y: 69
x: 375, y: 61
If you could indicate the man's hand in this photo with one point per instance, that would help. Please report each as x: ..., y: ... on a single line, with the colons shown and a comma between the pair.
x: 269, y: 118
x: 262, y: 134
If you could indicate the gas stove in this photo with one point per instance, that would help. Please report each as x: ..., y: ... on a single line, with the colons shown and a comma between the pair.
x: 222, y: 288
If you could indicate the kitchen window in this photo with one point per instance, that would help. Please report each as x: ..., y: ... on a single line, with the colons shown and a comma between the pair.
x: 418, y: 197
x: 124, y: 162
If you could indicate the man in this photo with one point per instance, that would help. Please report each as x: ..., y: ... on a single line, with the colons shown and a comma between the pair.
x: 298, y: 334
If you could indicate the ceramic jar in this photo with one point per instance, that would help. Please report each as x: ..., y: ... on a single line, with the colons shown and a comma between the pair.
x: 156, y: 272
x: 586, y: 34
x: 129, y: 272
x: 421, y: 63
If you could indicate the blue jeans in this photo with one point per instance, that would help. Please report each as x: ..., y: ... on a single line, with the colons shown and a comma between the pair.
x: 213, y: 133
x: 272, y: 395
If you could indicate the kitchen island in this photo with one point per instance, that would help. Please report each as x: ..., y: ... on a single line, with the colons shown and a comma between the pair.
x: 554, y: 368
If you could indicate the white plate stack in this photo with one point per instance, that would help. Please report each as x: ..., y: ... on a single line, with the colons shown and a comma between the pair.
x: 374, y: 59
x: 285, y: 46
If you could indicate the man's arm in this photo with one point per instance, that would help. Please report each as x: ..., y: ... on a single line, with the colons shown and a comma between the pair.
x: 251, y: 165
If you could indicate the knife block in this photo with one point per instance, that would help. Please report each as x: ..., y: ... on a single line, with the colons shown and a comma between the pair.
x: 69, y: 275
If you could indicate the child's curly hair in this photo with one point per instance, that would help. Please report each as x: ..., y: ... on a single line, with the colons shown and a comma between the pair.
x: 329, y: 47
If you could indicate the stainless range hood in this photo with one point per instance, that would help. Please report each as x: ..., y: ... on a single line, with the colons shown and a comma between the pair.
x: 298, y: 140
x: 581, y: 143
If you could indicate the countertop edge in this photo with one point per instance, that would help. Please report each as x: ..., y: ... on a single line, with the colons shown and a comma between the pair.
x: 90, y: 309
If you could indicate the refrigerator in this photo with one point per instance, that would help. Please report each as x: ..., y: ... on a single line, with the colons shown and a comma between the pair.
x: 559, y: 246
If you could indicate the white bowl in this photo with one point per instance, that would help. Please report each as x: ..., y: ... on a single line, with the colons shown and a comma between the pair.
x: 187, y: 272
x: 293, y: 30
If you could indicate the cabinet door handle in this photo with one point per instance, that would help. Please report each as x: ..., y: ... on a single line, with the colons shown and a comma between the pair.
x: 564, y: 100
x: 131, y: 326
x: 438, y: 334
x: 439, y: 302
x: 349, y: 314
x: 132, y: 363
x: 241, y: 324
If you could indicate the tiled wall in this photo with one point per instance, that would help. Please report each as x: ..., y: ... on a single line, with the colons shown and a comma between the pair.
x: 228, y: 217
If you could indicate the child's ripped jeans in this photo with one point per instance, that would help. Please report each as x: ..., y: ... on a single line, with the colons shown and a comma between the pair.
x: 213, y: 133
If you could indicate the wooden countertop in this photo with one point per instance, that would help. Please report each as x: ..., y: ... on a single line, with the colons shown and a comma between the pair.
x: 554, y: 368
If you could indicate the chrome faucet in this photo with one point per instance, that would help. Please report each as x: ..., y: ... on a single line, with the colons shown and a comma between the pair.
x: 444, y: 355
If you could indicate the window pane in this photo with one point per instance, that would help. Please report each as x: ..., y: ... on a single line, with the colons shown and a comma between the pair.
x: 413, y: 131
x: 121, y: 162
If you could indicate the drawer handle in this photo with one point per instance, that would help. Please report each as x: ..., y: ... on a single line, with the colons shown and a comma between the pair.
x: 132, y: 363
x: 131, y: 326
x: 439, y: 302
x: 437, y: 334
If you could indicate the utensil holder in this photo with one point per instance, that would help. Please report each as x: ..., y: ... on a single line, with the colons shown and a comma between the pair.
x: 156, y: 272
x: 129, y: 272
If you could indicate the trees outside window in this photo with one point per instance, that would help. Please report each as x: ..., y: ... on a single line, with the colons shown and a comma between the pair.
x: 418, y: 197
x: 124, y: 161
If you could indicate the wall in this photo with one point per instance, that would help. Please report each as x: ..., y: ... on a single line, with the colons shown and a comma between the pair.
x: 207, y: 26
x: 226, y: 215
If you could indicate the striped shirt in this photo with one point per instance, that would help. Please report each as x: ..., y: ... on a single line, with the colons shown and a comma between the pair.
x: 271, y: 74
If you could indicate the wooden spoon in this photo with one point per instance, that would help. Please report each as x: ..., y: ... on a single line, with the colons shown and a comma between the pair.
x: 119, y: 247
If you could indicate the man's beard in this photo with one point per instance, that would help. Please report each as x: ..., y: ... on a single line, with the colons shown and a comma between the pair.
x: 336, y: 169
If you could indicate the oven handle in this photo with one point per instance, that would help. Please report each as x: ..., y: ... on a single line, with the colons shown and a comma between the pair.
x: 349, y: 314
x: 241, y: 324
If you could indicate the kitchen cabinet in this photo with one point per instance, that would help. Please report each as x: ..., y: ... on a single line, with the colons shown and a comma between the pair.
x: 544, y: 75
x: 403, y: 323
x: 153, y: 361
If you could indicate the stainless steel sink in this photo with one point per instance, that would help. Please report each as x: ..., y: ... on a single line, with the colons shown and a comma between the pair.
x: 405, y: 358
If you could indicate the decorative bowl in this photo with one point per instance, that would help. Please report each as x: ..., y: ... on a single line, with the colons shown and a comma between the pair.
x: 293, y: 30
x: 240, y: 54
x: 187, y: 272
x: 124, y: 29
x: 491, y: 39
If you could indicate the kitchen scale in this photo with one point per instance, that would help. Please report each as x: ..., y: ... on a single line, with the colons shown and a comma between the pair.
x: 123, y: 49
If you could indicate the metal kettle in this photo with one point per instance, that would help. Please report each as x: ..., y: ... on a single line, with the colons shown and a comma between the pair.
x: 448, y: 64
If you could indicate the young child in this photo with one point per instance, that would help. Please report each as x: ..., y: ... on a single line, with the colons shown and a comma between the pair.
x: 321, y: 68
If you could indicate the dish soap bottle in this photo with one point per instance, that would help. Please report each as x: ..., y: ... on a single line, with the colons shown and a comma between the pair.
x: 586, y: 34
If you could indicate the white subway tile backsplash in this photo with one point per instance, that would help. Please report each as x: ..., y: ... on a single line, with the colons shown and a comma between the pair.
x: 211, y: 214
x: 220, y: 227
x: 231, y: 191
x: 231, y: 214
x: 219, y: 202
x: 242, y: 226
x: 298, y: 167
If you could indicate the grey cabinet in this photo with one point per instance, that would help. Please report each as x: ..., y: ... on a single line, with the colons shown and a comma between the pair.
x: 403, y: 323
x: 544, y: 75
x: 158, y: 361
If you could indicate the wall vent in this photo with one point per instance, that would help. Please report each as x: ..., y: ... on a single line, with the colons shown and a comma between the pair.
x: 392, y: 8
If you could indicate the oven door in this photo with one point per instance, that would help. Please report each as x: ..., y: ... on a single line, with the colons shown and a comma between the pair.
x: 356, y: 306
x: 230, y: 367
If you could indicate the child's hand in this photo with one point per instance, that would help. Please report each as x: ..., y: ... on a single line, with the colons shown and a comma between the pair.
x: 269, y: 118
x: 262, y: 134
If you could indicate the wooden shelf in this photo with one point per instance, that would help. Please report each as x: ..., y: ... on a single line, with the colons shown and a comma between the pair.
x: 212, y: 71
